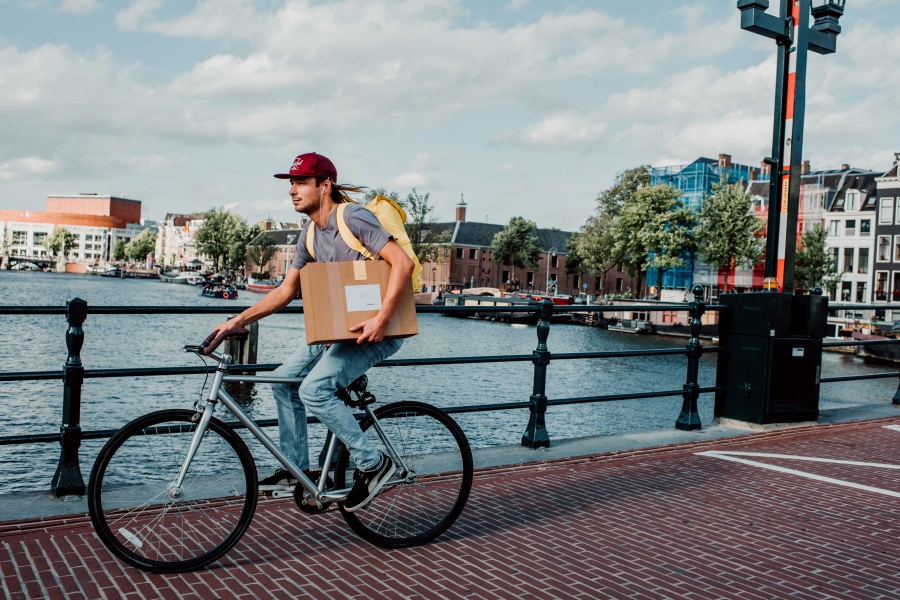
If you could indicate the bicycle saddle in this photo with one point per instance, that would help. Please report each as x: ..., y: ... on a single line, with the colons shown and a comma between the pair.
x: 358, y: 387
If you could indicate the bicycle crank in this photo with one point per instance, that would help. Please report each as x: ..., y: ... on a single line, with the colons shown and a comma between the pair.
x: 307, y: 503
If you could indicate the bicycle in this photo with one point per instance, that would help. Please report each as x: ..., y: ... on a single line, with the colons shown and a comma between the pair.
x: 174, y: 490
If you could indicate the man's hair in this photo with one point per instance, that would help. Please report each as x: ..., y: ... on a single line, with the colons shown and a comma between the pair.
x: 341, y: 193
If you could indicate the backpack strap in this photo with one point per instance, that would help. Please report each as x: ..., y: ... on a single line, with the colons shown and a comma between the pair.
x: 309, y: 240
x: 351, y: 240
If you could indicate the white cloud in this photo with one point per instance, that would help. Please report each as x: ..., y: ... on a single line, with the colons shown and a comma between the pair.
x: 79, y: 7
x: 410, y: 180
x: 31, y: 165
x: 140, y: 10
x: 557, y: 131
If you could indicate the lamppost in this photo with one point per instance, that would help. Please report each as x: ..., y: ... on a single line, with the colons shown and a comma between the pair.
x: 433, y: 273
x: 794, y: 37
x: 551, y: 252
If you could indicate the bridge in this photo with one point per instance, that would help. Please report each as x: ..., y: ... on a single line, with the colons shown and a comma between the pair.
x: 700, y: 510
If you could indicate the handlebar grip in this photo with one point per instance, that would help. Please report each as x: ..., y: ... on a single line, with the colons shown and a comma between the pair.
x: 212, y: 341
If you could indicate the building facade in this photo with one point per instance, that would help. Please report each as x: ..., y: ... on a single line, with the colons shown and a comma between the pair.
x: 285, y: 248
x: 91, y: 218
x: 695, y: 181
x: 175, y: 243
x: 886, y: 272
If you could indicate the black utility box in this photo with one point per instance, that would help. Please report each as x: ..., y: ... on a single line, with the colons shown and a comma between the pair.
x: 772, y: 356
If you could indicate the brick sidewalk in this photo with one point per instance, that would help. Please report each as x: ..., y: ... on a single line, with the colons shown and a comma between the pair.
x: 656, y: 523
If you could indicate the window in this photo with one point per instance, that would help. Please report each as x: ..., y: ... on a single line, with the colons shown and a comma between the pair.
x: 577, y: 282
x: 865, y: 227
x: 446, y: 250
x: 529, y: 279
x: 895, y: 289
x: 554, y: 262
x: 88, y: 237
x: 850, y: 227
x: 472, y: 253
x: 553, y: 277
x: 845, y: 291
x: 860, y: 291
x: 885, y: 211
x: 618, y: 284
x: 848, y: 260
x: 881, y: 286
x: 505, y: 276
x: 459, y: 253
x: 862, y: 266
x: 39, y: 237
x: 834, y: 255
x: 897, y: 248
x: 884, y: 248
x: 19, y: 237
x: 596, y: 283
x: 833, y: 228
x: 852, y: 200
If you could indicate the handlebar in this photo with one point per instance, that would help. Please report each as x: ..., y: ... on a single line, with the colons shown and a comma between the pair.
x: 212, y: 341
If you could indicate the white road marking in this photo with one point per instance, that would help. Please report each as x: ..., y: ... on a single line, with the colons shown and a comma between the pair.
x: 893, y: 427
x: 735, y: 457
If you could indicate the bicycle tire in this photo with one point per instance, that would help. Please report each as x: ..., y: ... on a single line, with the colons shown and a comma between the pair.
x: 452, y: 477
x: 158, y: 432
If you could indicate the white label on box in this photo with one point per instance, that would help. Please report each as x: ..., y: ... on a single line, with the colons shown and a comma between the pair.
x: 363, y: 297
x: 796, y: 351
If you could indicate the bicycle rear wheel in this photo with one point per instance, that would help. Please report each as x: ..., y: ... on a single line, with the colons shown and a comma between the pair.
x: 133, y: 509
x: 414, y: 511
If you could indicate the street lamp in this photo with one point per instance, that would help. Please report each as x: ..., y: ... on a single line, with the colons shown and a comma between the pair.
x: 794, y: 36
x: 433, y: 272
x: 552, y: 252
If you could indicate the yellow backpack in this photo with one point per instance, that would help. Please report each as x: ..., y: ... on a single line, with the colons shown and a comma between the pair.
x: 391, y: 216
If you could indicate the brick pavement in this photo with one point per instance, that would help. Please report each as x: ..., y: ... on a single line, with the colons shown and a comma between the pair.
x: 657, y: 523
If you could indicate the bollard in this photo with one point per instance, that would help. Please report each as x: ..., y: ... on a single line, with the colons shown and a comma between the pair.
x: 536, y: 433
x: 689, y: 419
x: 68, y: 481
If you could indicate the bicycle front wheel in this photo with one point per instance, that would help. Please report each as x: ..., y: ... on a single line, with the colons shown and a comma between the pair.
x: 144, y: 520
x: 414, y: 508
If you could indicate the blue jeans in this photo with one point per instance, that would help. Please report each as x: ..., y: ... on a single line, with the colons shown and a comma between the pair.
x: 324, y: 371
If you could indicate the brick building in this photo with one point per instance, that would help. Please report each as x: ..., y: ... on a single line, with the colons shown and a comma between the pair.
x: 285, y: 246
x: 467, y: 262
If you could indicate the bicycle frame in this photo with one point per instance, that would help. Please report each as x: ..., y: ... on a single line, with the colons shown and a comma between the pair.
x: 316, y: 490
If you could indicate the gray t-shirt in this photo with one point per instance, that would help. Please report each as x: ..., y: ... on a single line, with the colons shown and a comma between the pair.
x: 328, y: 244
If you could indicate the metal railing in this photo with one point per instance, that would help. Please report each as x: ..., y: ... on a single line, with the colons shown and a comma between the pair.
x: 68, y: 479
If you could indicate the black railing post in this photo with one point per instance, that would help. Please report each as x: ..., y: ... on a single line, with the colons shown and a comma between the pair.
x: 536, y: 433
x: 67, y: 481
x: 689, y: 419
x: 897, y: 395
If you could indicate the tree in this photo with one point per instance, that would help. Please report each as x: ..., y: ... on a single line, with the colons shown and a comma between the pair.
x: 237, y: 253
x: 141, y: 246
x: 262, y: 250
x: 516, y: 246
x: 217, y: 234
x: 814, y: 264
x: 427, y: 242
x: 613, y: 200
x: 119, y: 252
x: 728, y: 230
x: 595, y: 247
x: 59, y: 239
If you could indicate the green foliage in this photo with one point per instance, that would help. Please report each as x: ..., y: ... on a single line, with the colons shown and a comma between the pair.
x: 261, y: 252
x: 421, y: 228
x: 814, y: 264
x: 141, y: 246
x: 61, y: 237
x: 594, y: 247
x: 612, y: 201
x: 653, y: 230
x: 119, y: 251
x: 516, y: 246
x: 237, y: 253
x: 218, y: 234
x: 728, y: 229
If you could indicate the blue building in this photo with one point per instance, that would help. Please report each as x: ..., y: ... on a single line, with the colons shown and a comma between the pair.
x: 695, y: 180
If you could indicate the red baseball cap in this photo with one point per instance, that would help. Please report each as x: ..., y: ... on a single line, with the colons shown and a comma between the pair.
x: 311, y: 165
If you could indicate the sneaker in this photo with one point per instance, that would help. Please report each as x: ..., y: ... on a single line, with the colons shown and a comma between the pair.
x: 369, y: 483
x: 281, y: 478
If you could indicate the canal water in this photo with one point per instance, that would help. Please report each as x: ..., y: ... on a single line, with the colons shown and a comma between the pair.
x: 34, y: 343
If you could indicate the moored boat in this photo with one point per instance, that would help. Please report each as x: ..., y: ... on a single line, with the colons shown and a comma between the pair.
x: 215, y: 290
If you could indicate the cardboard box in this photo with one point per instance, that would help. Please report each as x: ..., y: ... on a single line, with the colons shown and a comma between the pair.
x: 339, y: 295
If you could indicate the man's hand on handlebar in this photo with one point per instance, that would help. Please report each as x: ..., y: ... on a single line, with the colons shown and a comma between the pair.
x: 234, y: 323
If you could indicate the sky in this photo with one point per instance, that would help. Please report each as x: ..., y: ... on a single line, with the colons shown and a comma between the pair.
x: 527, y: 107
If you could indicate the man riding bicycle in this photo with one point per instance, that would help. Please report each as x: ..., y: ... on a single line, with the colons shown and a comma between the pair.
x: 327, y: 368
